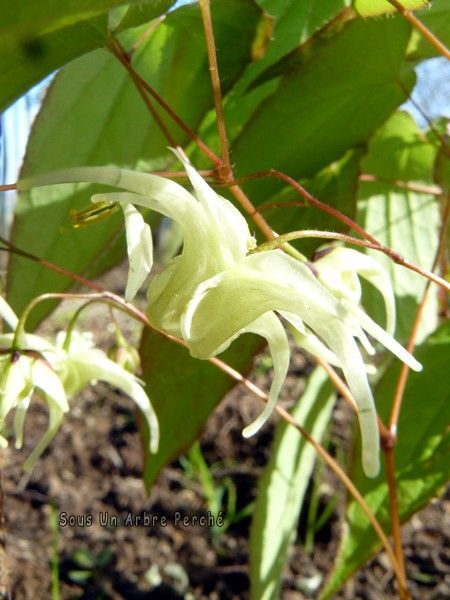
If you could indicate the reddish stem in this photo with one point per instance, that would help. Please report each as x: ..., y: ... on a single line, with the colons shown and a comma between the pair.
x: 122, y: 56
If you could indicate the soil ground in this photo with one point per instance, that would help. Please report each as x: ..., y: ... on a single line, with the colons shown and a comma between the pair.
x: 94, y: 467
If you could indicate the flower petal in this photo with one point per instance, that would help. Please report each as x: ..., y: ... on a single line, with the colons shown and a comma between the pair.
x: 15, y: 384
x: 19, y: 420
x: 274, y: 281
x: 338, y: 269
x: 7, y: 314
x: 269, y: 327
x: 230, y: 227
x: 139, y: 249
x: 54, y: 421
x: 46, y: 379
x: 95, y: 365
x: 308, y: 341
x: 380, y: 334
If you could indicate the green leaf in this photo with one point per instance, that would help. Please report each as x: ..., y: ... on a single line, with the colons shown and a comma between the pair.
x: 405, y: 220
x: 283, y: 485
x: 373, y: 8
x: 36, y: 38
x: 295, y: 23
x: 422, y: 455
x: 328, y: 104
x: 93, y: 115
x: 437, y: 19
x: 287, y: 25
x: 142, y: 11
x: 184, y: 391
x: 29, y: 18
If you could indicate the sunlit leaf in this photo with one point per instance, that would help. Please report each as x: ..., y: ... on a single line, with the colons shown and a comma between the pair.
x: 282, y: 487
x: 422, y: 455
x: 373, y: 8
x: 403, y: 219
x: 141, y: 12
x: 328, y: 104
x: 31, y: 18
x: 25, y: 61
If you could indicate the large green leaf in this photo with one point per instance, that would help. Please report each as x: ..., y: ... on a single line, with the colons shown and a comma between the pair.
x: 287, y: 25
x: 184, y: 391
x: 295, y: 23
x: 30, y: 18
x: 93, y: 116
x: 404, y: 220
x: 422, y: 455
x: 282, y: 487
x: 36, y: 38
x: 137, y: 13
x: 324, y: 106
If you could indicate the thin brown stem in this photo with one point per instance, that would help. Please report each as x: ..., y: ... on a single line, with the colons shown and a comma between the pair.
x: 331, y: 235
x: 440, y: 138
x: 434, y: 190
x: 106, y: 297
x: 421, y: 28
x: 224, y: 175
x: 151, y: 108
x: 312, y: 200
x: 4, y: 562
x: 9, y: 247
x: 389, y: 453
x: 169, y: 137
x: 251, y: 210
x: 8, y: 187
x: 400, y: 576
x: 121, y: 55
x: 285, y: 204
x: 205, y: 9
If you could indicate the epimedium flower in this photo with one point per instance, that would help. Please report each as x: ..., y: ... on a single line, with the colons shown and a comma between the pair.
x: 218, y: 287
x: 58, y: 371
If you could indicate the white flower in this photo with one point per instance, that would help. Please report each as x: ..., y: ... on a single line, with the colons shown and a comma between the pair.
x: 215, y: 290
x: 22, y: 372
x: 81, y: 364
x: 58, y: 372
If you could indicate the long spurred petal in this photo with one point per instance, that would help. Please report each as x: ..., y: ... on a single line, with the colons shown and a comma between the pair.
x: 275, y: 281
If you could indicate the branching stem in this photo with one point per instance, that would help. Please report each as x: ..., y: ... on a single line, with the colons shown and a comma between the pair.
x: 9, y: 247
x: 332, y: 235
x: 121, y: 55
